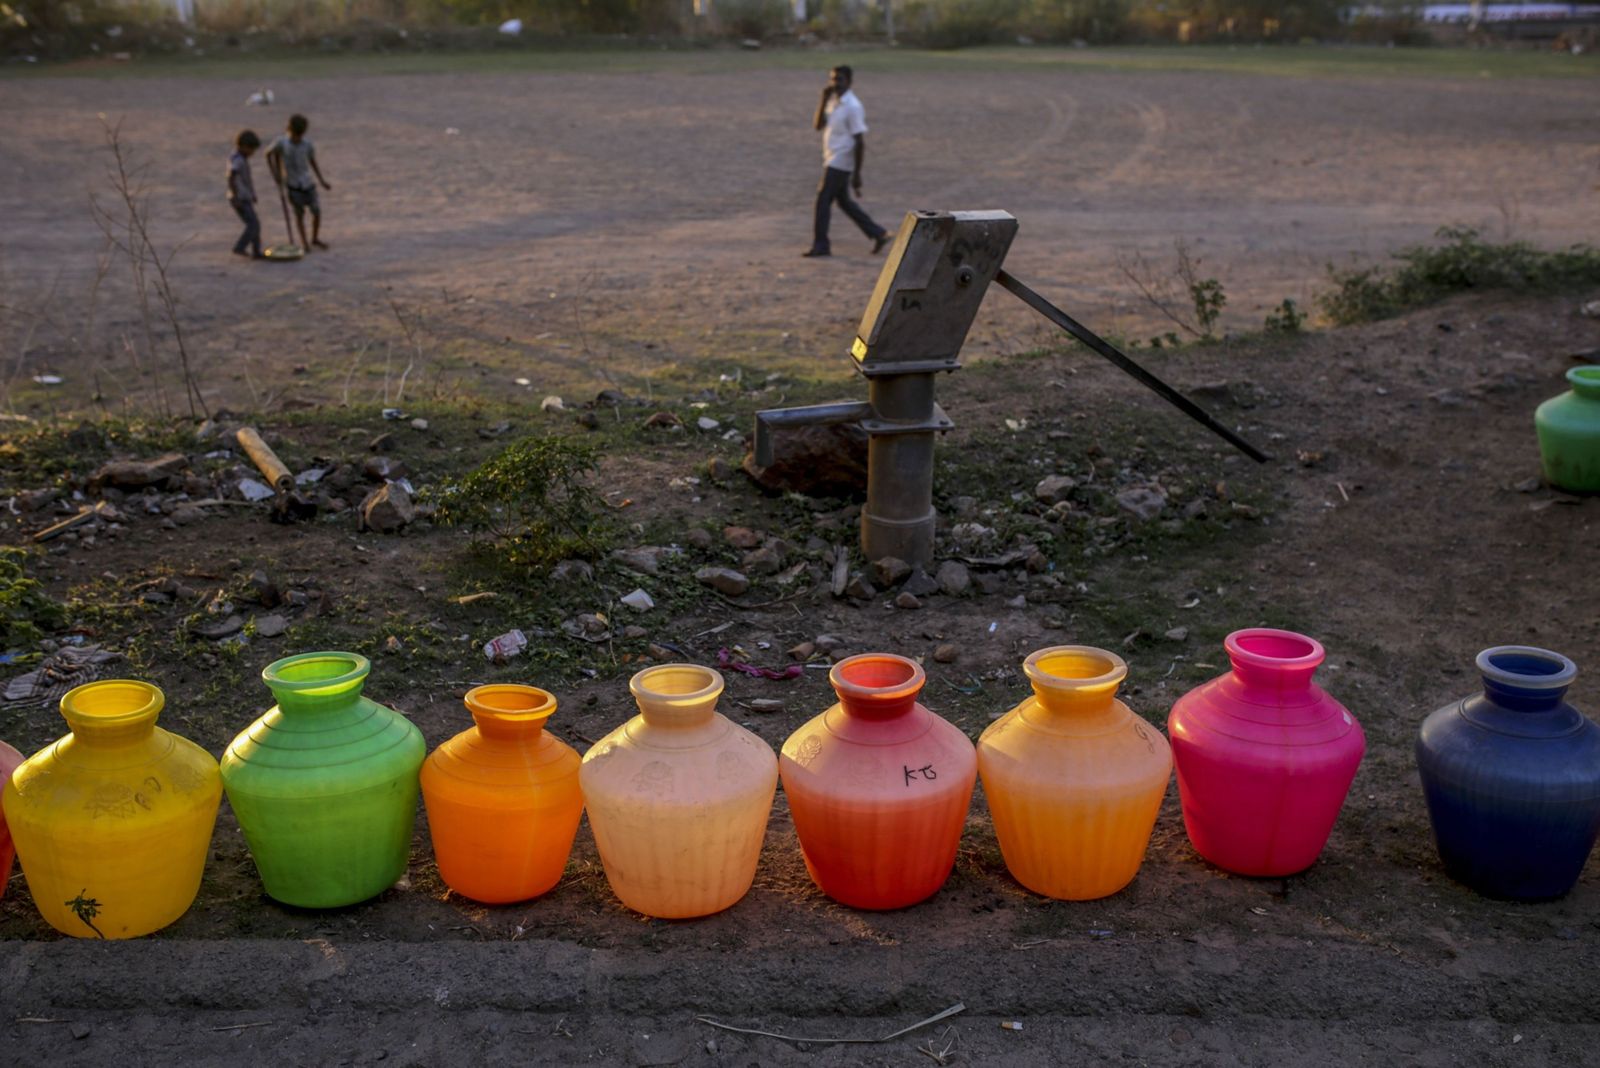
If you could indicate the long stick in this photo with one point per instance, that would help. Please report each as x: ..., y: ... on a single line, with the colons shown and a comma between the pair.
x: 283, y: 201
x: 946, y: 1014
x: 1104, y: 348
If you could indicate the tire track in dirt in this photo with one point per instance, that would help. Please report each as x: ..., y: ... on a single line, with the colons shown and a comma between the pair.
x: 1054, y: 132
x: 1152, y: 120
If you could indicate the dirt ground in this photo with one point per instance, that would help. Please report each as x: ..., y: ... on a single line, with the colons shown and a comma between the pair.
x: 1395, y: 524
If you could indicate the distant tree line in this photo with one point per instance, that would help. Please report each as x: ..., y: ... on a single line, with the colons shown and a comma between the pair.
x: 935, y: 23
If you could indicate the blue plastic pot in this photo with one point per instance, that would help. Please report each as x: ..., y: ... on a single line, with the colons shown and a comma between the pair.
x: 1512, y: 778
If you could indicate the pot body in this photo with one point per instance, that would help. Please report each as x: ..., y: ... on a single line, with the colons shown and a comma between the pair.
x: 1568, y: 428
x: 1512, y: 778
x: 678, y: 797
x: 112, y: 822
x: 1074, y: 779
x: 878, y: 787
x: 9, y: 760
x: 502, y: 798
x: 324, y: 784
x: 1264, y: 757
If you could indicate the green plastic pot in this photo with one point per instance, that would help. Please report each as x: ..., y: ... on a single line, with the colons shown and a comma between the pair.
x: 325, y: 784
x: 1569, y: 434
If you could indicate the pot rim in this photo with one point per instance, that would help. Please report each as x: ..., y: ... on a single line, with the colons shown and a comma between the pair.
x: 358, y: 667
x: 640, y: 686
x: 147, y: 709
x: 1309, y: 655
x: 479, y: 702
x: 1116, y: 667
x: 1558, y: 679
x: 913, y: 683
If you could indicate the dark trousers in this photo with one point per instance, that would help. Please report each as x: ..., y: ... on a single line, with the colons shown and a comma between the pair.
x: 836, y: 186
x: 251, y: 238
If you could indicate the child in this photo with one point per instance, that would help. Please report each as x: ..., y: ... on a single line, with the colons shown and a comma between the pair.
x: 242, y: 194
x: 293, y: 161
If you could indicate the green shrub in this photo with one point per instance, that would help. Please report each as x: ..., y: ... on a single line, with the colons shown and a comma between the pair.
x: 1462, y: 262
x: 26, y: 611
x: 534, y: 503
x: 1286, y: 318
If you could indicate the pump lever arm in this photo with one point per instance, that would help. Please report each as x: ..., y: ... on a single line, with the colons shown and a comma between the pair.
x: 1106, y: 349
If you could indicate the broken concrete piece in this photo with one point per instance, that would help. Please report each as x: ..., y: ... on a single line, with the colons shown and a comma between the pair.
x: 724, y: 580
x: 387, y: 509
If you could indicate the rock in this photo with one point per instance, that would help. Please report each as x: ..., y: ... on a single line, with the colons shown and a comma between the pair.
x: 383, y: 469
x: 890, y: 571
x: 387, y: 509
x: 816, y: 461
x: 663, y: 420
x: 646, y: 559
x: 638, y: 600
x: 552, y: 403
x: 765, y: 704
x: 80, y: 1030
x: 741, y: 537
x: 767, y: 560
x: 953, y: 578
x: 1144, y: 503
x: 920, y: 584
x: 1177, y: 634
x: 724, y: 580
x: 392, y: 645
x: 804, y: 651
x: 1054, y: 488
x: 661, y: 653
x: 263, y: 590
x: 1592, y: 309
x: 947, y: 653
x: 572, y: 571
x: 419, y: 424
x: 185, y: 514
x: 382, y: 443
x: 969, y: 535
x: 217, y: 628
x: 907, y: 601
x: 700, y: 538
x: 827, y: 643
x: 587, y: 420
x: 860, y: 588
x: 1037, y: 563
x: 705, y: 422
x: 989, y: 583
x: 1244, y: 511
x: 717, y: 469
x: 1019, y: 601
x: 137, y: 474
x: 1527, y: 485
x: 34, y: 500
x: 271, y: 626
x: 633, y: 632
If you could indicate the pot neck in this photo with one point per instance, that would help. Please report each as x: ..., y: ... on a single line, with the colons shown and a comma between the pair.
x: 1273, y: 662
x: 313, y: 683
x: 1075, y: 686
x: 1585, y: 381
x: 877, y: 686
x: 510, y: 712
x: 1522, y: 678
x: 677, y: 697
x: 111, y: 713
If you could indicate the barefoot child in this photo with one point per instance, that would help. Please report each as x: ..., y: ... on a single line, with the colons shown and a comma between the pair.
x: 242, y: 194
x: 293, y: 161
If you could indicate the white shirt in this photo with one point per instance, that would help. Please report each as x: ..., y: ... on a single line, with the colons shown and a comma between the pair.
x: 846, y: 118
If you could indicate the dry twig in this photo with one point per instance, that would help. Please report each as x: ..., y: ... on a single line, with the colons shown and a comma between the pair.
x: 946, y: 1014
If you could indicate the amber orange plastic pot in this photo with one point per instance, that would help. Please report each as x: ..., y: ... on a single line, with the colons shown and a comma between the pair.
x: 878, y: 787
x: 502, y: 798
x: 1073, y: 778
x: 678, y: 797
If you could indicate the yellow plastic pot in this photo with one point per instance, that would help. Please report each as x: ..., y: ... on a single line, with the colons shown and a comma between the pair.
x: 112, y: 822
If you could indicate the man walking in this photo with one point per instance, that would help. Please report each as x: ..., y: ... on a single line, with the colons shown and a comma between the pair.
x: 843, y: 123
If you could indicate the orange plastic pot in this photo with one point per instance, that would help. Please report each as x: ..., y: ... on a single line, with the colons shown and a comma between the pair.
x: 1073, y: 778
x: 878, y: 787
x: 502, y: 798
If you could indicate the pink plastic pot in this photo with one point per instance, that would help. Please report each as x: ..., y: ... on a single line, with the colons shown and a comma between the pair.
x: 9, y: 761
x: 1264, y: 756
